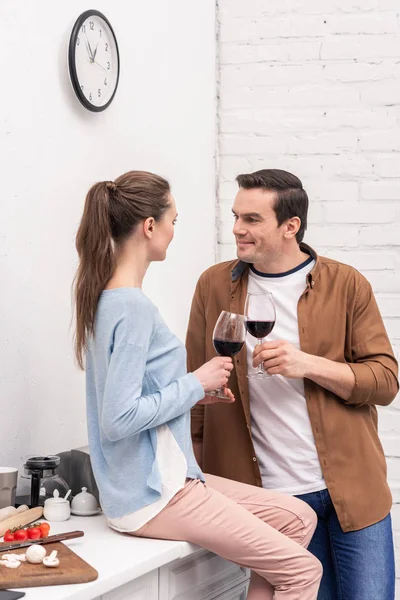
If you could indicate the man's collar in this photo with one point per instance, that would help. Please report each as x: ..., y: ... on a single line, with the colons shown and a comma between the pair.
x: 240, y: 267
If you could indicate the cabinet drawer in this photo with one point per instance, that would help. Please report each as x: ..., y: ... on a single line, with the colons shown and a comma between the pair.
x: 237, y: 593
x: 144, y: 588
x: 201, y: 576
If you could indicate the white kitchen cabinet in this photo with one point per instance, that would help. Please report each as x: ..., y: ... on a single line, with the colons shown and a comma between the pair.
x: 201, y: 576
x: 144, y: 588
x: 239, y: 592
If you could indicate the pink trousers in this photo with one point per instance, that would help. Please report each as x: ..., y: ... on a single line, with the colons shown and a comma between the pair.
x: 265, y: 531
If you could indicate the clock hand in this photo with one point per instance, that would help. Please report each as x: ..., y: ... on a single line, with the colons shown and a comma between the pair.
x: 90, y: 49
x: 97, y: 63
x: 87, y: 48
x: 94, y: 55
x: 89, y: 53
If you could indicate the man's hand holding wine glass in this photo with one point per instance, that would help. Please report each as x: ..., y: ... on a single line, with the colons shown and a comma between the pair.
x: 282, y: 358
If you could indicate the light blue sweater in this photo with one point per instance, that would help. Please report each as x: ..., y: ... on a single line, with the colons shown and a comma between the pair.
x: 136, y: 379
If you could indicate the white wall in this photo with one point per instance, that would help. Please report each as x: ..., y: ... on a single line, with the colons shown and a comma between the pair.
x: 52, y: 150
x: 314, y: 87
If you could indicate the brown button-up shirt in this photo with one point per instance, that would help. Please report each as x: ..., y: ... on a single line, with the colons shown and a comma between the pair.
x: 339, y: 320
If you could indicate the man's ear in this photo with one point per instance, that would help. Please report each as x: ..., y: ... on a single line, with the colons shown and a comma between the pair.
x: 292, y: 226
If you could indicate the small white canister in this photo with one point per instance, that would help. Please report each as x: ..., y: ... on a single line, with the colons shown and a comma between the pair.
x: 56, y: 508
x: 84, y: 504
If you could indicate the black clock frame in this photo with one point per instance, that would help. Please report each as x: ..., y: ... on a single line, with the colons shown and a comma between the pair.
x: 71, y: 60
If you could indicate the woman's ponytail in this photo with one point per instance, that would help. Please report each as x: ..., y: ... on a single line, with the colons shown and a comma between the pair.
x: 96, y: 261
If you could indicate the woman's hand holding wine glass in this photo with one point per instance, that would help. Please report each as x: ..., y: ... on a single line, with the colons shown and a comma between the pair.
x: 214, y: 374
x: 227, y: 398
x: 228, y: 339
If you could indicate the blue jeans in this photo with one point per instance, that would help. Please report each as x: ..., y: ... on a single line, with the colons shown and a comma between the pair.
x: 358, y: 565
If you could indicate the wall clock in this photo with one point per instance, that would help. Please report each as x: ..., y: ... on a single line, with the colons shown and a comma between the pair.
x: 93, y: 60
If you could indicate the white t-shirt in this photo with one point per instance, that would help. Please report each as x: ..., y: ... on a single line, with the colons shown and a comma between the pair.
x: 281, y: 428
x: 172, y: 465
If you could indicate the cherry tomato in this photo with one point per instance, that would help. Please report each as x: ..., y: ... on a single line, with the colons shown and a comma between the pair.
x: 34, y: 533
x: 44, y: 528
x: 21, y: 535
x: 9, y: 537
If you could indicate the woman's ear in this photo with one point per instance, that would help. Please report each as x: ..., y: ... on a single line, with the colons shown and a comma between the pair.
x: 148, y: 227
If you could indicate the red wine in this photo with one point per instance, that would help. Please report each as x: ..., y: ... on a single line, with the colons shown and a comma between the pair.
x: 259, y: 329
x: 224, y: 348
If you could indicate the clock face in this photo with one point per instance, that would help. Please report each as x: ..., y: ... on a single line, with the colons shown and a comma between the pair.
x: 94, y: 60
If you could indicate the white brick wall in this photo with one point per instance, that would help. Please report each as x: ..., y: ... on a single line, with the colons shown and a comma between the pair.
x: 314, y: 87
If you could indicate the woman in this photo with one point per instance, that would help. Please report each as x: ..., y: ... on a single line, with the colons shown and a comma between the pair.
x: 139, y: 397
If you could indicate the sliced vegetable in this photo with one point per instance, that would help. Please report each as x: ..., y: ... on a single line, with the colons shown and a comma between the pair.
x: 19, y: 557
x: 51, y: 560
x: 11, y: 564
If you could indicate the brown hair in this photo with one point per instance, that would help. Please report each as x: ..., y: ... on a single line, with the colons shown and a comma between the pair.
x: 291, y: 198
x: 112, y: 211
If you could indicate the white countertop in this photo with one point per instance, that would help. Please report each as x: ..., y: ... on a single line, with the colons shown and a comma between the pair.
x: 118, y: 558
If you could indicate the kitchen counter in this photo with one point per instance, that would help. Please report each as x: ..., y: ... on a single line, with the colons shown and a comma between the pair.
x: 118, y: 558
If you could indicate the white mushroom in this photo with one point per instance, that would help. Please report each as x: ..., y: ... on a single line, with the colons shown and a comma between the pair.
x: 11, y: 564
x: 51, y: 560
x: 18, y: 557
x: 35, y: 554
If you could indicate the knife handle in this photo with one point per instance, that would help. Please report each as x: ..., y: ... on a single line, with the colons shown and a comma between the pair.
x: 68, y: 535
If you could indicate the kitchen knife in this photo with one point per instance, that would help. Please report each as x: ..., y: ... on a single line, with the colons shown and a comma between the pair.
x: 69, y: 535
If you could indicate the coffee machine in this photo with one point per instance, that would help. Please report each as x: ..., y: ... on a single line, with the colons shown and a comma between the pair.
x: 42, y: 471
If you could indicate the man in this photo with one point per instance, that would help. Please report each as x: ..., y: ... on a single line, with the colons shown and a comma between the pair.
x: 311, y: 429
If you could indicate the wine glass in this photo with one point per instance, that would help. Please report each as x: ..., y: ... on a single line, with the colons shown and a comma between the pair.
x: 228, y: 339
x: 261, y: 315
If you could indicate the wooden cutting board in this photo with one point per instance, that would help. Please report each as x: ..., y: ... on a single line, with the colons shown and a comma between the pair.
x: 72, y: 569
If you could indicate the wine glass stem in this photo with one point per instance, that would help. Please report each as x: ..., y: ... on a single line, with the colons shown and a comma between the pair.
x: 218, y: 391
x: 260, y: 370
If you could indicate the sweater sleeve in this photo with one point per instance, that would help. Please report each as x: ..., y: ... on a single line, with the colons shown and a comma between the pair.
x: 125, y: 411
